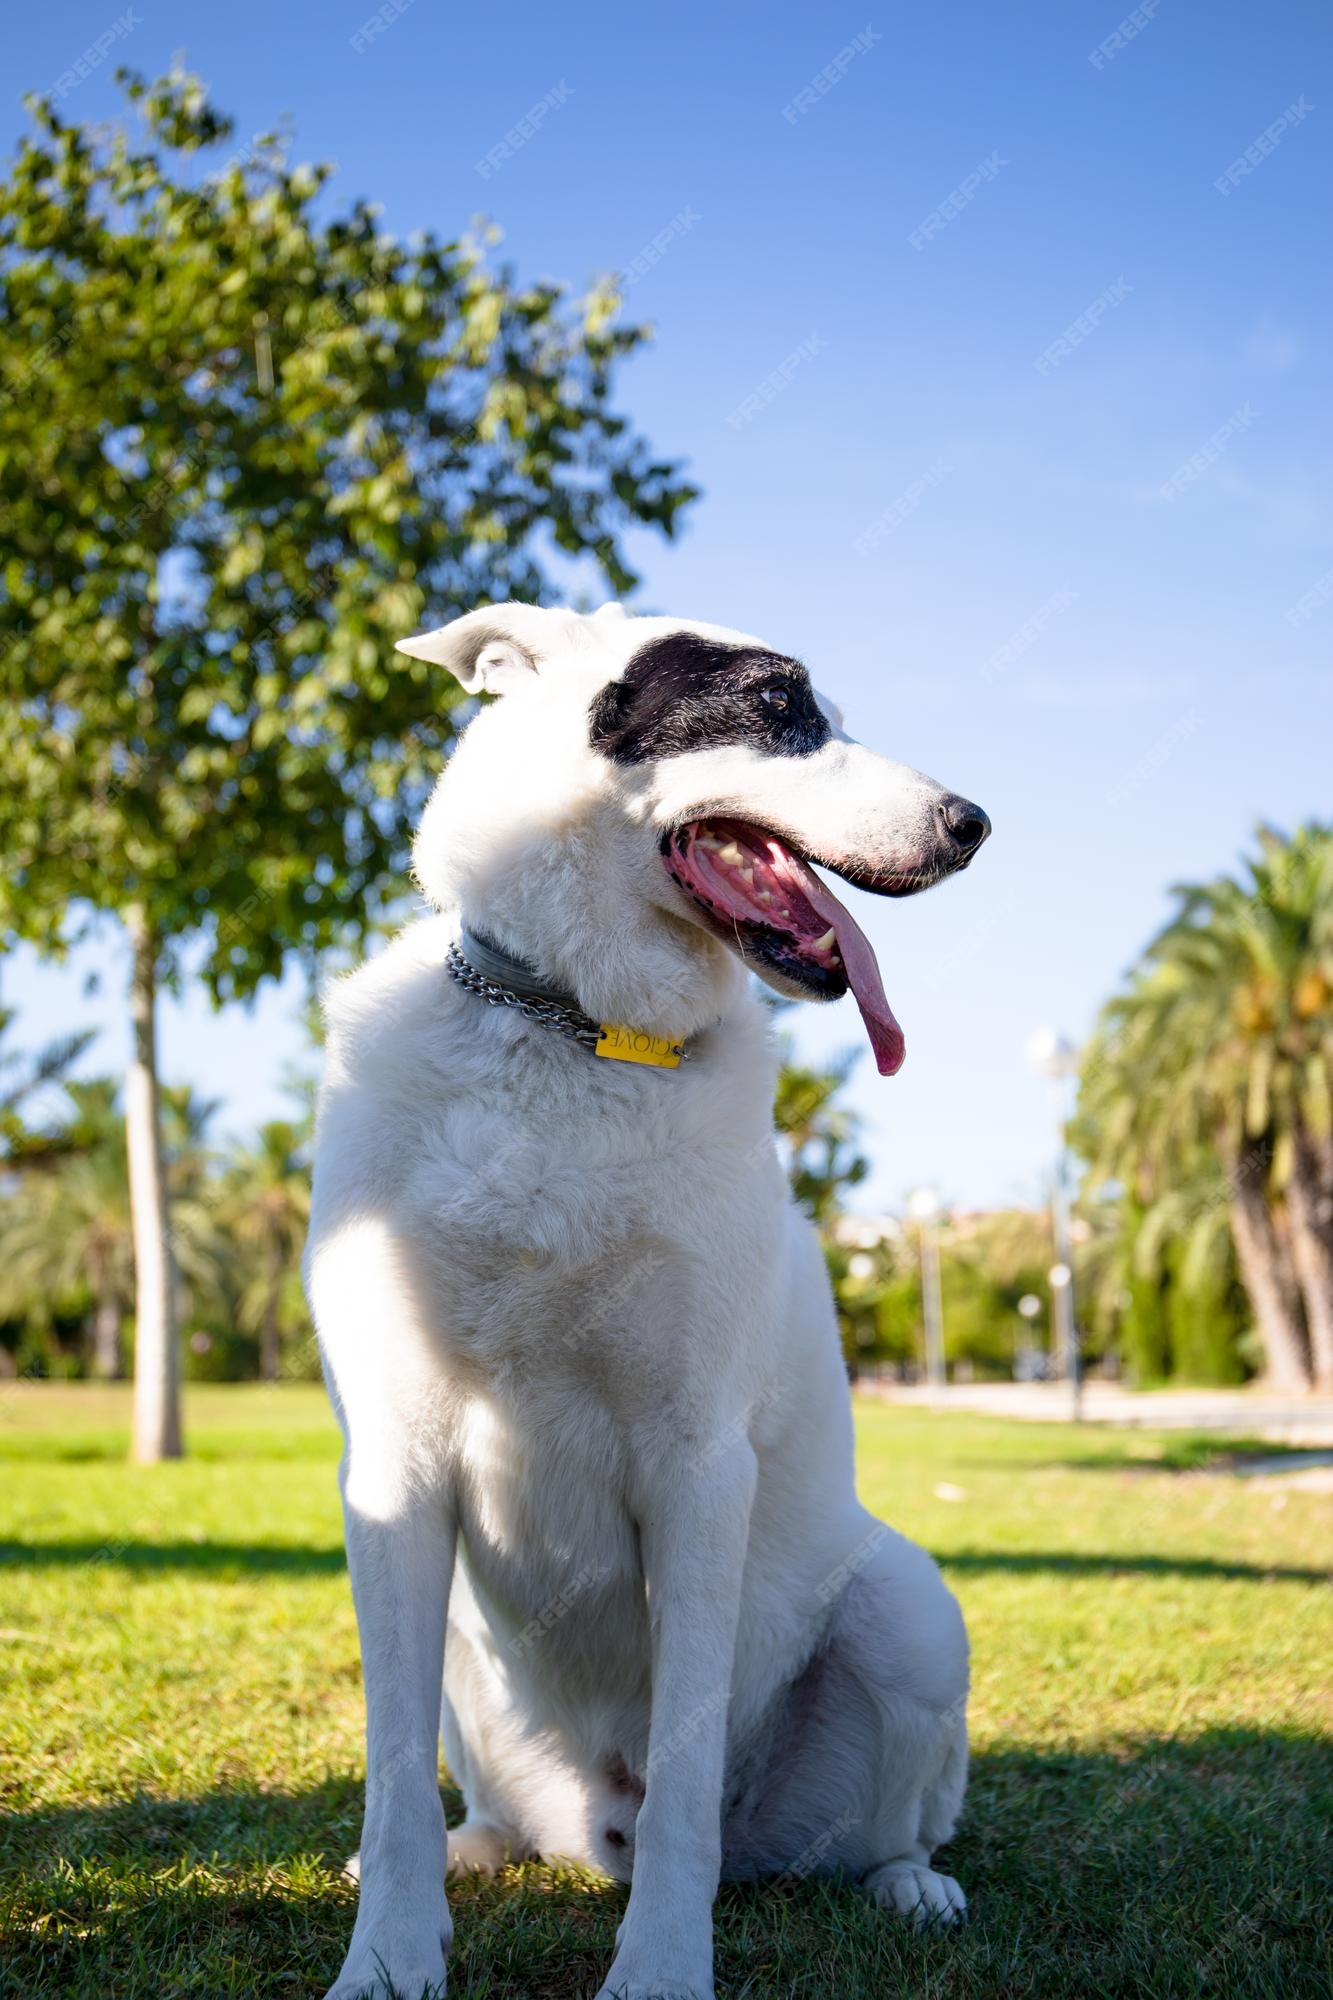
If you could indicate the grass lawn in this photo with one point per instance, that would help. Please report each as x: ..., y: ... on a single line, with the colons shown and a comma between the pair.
x: 1151, y: 1809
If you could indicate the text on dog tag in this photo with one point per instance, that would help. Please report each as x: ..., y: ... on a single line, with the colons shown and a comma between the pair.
x: 623, y: 1044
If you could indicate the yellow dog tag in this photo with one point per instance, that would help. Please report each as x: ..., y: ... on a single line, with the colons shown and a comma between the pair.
x: 633, y: 1045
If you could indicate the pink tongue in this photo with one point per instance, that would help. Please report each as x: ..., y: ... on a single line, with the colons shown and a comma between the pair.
x: 858, y: 957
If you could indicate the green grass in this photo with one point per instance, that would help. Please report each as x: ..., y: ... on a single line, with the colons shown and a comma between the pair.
x: 180, y: 1726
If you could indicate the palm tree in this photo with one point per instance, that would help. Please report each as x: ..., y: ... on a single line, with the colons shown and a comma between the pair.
x: 266, y: 1210
x: 68, y: 1232
x: 1162, y: 1280
x: 1223, y: 1044
x: 22, y: 1079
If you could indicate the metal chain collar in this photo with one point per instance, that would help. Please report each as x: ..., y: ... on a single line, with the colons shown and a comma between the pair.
x: 566, y: 1020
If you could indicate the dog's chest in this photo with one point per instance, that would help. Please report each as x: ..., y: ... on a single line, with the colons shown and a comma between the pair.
x: 572, y: 1250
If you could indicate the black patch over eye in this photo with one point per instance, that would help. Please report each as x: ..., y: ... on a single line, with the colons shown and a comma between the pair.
x: 684, y: 692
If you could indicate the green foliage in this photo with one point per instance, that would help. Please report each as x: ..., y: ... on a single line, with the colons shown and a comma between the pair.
x: 897, y: 1318
x: 820, y: 1133
x: 1209, y: 1081
x: 1145, y: 1336
x: 266, y: 1207
x: 238, y: 1223
x: 68, y: 1248
x: 987, y: 1264
x: 23, y: 1083
x: 1226, y: 1027
x: 245, y: 444
x: 1208, y: 1325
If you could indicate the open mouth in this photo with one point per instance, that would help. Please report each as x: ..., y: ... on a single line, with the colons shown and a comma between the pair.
x: 766, y: 901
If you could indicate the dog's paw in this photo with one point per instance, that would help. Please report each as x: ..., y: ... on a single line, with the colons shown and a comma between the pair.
x: 911, y: 1890
x: 405, y: 1968
x: 654, y: 1989
x: 629, y: 1980
x: 415, y: 1983
x: 476, y: 1850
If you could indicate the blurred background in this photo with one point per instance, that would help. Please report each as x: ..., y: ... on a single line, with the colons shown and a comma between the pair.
x: 980, y: 360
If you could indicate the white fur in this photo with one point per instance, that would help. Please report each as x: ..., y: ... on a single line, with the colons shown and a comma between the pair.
x: 575, y: 1327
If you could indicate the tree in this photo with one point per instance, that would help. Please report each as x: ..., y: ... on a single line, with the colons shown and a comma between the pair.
x: 266, y: 1206
x: 244, y: 446
x: 988, y: 1262
x: 1162, y: 1285
x: 820, y: 1133
x: 68, y: 1229
x: 1220, y: 1050
x: 69, y: 1233
x: 23, y: 1147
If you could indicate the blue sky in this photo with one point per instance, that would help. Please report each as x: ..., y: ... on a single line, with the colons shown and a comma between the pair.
x: 969, y: 544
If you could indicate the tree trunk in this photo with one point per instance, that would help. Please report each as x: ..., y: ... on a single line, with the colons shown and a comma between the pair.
x: 1310, y: 1205
x: 1263, y: 1269
x: 157, y: 1421
x: 106, y: 1338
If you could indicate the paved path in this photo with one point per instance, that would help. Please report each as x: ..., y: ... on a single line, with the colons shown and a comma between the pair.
x: 1299, y: 1420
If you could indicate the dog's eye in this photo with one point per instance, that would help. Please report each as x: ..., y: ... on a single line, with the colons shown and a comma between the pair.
x: 776, y: 698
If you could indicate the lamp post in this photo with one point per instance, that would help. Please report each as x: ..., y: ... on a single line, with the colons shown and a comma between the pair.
x: 924, y: 1208
x: 1028, y: 1308
x: 1053, y: 1056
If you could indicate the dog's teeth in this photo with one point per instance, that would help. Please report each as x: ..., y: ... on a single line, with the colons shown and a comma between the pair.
x: 710, y: 841
x: 747, y: 874
x: 764, y: 895
x: 731, y: 854
x: 824, y: 943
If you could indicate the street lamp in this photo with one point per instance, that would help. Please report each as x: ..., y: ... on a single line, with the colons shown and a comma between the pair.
x: 1028, y: 1308
x: 924, y: 1208
x: 1053, y: 1056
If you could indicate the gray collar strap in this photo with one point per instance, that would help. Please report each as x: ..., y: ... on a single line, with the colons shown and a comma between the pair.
x: 500, y: 969
x: 482, y: 968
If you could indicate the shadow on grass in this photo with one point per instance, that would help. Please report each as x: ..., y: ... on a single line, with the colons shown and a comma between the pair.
x: 1079, y: 1562
x: 260, y: 1559
x: 206, y: 1447
x: 1176, y: 1451
x: 240, y: 1558
x: 1157, y: 1867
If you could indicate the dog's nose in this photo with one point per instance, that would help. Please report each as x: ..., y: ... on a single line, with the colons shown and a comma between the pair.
x: 965, y: 825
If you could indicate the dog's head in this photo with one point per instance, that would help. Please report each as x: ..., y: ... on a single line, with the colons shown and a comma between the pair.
x: 640, y: 812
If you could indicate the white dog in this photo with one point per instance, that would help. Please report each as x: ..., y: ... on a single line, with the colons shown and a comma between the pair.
x: 598, y: 1475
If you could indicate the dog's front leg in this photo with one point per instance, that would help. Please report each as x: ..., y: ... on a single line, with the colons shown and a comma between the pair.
x: 693, y: 1527
x: 400, y: 1549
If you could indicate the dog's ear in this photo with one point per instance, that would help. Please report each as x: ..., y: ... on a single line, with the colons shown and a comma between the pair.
x: 494, y: 649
